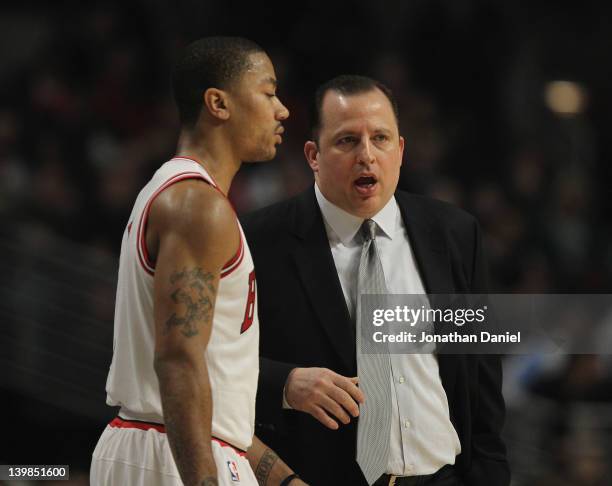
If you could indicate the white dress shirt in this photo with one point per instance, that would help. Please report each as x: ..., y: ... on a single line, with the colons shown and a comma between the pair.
x: 423, y: 438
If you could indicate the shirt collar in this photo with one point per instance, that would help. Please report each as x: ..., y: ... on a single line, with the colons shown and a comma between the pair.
x: 345, y: 225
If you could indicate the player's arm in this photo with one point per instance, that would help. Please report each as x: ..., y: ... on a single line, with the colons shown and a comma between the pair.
x: 193, y: 233
x: 269, y: 469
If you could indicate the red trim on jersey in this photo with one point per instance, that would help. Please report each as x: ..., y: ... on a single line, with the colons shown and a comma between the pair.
x: 121, y: 423
x: 216, y: 186
x: 222, y: 443
x: 236, y: 260
x: 222, y: 193
x: 143, y: 254
x: 136, y: 424
x: 209, y: 175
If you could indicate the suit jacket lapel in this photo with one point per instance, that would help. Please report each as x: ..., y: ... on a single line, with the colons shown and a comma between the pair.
x: 317, y: 272
x: 428, y: 244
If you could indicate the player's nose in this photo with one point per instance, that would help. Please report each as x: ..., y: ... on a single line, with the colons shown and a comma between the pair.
x: 282, y: 113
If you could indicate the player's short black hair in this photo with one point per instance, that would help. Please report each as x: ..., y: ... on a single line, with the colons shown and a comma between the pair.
x: 346, y: 84
x: 211, y: 62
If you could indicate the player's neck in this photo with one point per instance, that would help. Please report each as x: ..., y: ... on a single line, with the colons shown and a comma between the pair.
x: 212, y: 154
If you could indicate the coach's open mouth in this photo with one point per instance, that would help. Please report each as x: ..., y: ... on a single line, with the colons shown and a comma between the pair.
x: 366, y: 184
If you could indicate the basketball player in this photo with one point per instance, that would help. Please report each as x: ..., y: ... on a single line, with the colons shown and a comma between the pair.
x: 185, y: 359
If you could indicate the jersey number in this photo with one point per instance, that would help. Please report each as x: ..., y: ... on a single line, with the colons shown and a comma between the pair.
x: 249, y: 312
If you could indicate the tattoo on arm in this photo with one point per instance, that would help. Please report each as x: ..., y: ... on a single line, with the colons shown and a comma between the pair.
x: 265, y: 465
x: 195, y: 290
x: 209, y: 482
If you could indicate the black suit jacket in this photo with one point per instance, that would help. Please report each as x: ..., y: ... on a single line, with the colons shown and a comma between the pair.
x: 304, y: 322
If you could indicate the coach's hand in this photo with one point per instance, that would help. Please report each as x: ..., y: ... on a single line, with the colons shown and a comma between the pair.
x: 321, y: 393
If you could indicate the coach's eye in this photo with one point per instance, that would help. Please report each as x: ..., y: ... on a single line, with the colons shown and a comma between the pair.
x: 345, y: 140
x: 381, y: 138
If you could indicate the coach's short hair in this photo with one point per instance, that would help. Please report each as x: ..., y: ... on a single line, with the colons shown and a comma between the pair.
x: 212, y: 62
x: 346, y: 84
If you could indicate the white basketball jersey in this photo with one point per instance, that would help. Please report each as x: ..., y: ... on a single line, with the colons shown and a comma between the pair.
x: 232, y: 352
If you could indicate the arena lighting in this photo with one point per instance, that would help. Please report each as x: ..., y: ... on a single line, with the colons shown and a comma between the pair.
x: 565, y: 98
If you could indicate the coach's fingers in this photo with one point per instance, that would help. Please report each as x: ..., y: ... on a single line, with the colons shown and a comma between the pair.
x: 331, y: 406
x: 345, y: 400
x: 325, y: 419
x: 348, y: 385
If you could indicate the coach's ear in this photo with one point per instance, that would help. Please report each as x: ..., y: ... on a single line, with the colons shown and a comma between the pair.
x: 215, y: 102
x: 311, y: 152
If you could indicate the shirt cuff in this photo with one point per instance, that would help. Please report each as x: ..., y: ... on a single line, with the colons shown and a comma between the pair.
x: 286, y: 405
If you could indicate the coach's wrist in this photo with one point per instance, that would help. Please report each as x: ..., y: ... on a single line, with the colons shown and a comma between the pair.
x: 286, y: 404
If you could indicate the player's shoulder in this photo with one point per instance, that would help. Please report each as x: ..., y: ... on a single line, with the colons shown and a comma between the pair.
x: 193, y: 206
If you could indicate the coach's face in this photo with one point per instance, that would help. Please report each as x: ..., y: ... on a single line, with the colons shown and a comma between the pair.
x: 357, y: 159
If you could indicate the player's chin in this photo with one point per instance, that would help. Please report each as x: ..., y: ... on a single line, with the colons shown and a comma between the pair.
x: 264, y: 155
x: 271, y: 150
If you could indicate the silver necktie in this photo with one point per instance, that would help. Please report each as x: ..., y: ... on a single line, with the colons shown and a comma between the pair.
x: 374, y: 370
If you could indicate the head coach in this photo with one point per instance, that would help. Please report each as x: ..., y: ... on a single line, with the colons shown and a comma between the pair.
x: 435, y: 419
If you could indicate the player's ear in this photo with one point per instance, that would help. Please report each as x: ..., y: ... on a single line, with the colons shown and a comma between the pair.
x: 215, y: 101
x: 311, y: 151
x: 401, y: 149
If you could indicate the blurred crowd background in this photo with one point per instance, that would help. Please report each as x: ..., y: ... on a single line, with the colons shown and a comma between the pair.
x: 506, y: 111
